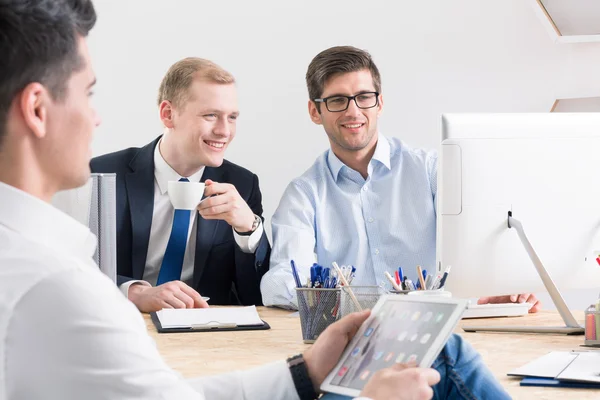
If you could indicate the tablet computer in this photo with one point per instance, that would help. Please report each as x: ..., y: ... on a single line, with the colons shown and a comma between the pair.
x: 400, y: 329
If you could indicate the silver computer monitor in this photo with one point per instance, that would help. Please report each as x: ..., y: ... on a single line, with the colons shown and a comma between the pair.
x: 94, y: 205
x: 543, y: 169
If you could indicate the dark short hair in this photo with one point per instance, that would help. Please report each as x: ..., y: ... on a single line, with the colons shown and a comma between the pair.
x: 38, y: 43
x: 338, y: 60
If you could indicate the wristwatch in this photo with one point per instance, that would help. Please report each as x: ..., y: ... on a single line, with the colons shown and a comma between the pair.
x: 255, y: 224
x: 302, y: 382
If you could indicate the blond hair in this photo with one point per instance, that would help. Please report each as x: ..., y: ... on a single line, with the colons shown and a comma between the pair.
x: 174, y: 86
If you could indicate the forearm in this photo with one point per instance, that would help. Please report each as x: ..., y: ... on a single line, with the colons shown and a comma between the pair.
x: 271, y: 381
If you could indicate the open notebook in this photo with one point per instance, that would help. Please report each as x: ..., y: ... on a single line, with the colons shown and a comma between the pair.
x: 562, y: 367
x: 208, y: 319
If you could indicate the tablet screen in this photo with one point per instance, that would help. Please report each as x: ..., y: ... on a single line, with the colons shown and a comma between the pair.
x: 397, y: 332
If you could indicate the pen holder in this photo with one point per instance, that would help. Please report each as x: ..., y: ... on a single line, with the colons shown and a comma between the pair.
x: 318, y: 309
x: 367, y: 297
x: 592, y: 327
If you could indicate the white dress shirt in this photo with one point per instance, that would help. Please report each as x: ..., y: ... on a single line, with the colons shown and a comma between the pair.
x: 162, y: 221
x: 66, y: 332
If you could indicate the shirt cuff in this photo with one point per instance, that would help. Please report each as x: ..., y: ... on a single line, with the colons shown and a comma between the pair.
x: 125, y: 286
x: 249, y: 244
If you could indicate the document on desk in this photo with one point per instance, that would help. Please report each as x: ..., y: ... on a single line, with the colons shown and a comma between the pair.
x: 584, y: 368
x: 574, y: 366
x: 548, y: 366
x: 209, y: 317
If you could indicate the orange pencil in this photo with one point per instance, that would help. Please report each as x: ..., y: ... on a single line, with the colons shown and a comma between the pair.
x: 420, y: 275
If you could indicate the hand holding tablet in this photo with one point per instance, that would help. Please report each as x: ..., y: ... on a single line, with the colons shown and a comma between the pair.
x: 400, y: 330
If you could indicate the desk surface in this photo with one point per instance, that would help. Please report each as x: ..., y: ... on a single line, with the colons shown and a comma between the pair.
x: 203, y: 353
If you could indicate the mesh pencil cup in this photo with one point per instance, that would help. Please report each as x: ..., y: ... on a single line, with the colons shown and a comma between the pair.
x: 318, y: 309
x: 367, y: 297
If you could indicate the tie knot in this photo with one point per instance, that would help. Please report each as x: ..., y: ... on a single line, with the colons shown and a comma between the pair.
x: 184, y: 180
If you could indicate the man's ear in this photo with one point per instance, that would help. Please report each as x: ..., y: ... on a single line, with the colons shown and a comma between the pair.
x: 33, y: 105
x: 314, y: 113
x: 166, y: 113
x: 380, y: 106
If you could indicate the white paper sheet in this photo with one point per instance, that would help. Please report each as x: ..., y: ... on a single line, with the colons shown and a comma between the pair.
x: 585, y: 368
x: 548, y: 366
x: 186, y: 318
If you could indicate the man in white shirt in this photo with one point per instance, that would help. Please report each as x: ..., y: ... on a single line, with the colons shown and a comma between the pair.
x: 66, y: 332
x: 166, y: 257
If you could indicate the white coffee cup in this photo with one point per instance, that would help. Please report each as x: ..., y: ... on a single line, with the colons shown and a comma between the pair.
x: 437, y: 293
x: 185, y: 195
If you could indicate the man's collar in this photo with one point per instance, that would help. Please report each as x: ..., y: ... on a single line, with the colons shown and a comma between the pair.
x: 41, y: 222
x: 381, y: 154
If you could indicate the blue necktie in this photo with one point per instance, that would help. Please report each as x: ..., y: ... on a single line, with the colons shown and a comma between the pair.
x: 170, y: 269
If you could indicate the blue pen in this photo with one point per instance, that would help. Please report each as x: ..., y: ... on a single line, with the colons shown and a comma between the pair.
x: 295, y: 274
x: 424, y: 275
x: 401, y: 274
x: 325, y: 275
x: 313, y: 275
x: 318, y: 276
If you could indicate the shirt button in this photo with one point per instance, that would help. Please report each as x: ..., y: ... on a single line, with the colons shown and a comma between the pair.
x: 370, y: 219
x: 365, y: 188
x: 376, y: 251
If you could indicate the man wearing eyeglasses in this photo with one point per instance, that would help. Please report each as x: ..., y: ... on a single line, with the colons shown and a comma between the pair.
x: 368, y: 201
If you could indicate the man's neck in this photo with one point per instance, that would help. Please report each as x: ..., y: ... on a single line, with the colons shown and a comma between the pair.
x: 357, y: 160
x: 25, y: 176
x: 176, y: 160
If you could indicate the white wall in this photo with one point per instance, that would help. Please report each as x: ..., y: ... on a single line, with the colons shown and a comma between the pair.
x: 434, y: 56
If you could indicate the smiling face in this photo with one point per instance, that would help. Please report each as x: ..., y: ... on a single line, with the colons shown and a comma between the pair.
x: 205, y: 124
x: 354, y: 129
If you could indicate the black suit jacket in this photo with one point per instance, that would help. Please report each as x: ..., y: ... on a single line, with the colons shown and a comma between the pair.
x: 221, y: 270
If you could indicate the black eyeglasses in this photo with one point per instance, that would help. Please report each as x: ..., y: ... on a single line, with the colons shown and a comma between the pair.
x: 340, y: 103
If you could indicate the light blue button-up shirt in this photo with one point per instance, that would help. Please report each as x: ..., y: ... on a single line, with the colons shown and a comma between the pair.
x: 377, y: 224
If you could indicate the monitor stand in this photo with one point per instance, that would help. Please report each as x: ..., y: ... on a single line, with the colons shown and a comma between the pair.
x: 571, y: 327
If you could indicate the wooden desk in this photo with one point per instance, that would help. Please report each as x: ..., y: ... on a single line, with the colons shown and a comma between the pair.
x: 202, y: 353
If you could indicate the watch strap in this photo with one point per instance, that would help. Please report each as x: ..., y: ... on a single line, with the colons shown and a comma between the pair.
x: 255, y: 224
x: 302, y: 381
